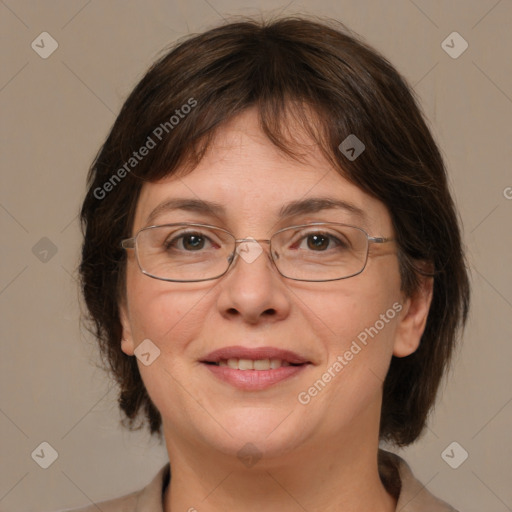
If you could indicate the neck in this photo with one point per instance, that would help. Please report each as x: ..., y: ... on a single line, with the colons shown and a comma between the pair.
x: 344, y: 478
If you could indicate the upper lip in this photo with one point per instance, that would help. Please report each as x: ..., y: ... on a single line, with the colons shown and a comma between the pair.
x: 239, y: 352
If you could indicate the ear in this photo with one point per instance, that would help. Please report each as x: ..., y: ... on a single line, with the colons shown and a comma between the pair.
x: 413, y: 318
x: 127, y: 345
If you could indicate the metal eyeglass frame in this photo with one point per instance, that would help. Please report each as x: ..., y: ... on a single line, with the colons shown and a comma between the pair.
x: 131, y: 243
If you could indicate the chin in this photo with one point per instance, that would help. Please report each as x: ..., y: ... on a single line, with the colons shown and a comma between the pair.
x: 266, y: 431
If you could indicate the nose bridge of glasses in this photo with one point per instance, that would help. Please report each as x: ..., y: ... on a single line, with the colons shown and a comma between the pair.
x: 251, y: 253
x: 239, y: 240
x: 255, y: 249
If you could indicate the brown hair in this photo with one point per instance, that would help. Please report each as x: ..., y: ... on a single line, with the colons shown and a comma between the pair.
x: 285, y: 67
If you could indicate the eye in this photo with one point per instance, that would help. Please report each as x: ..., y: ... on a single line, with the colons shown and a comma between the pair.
x: 192, y: 241
x: 318, y: 241
x: 322, y: 241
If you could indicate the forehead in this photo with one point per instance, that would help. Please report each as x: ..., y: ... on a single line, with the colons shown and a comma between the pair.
x: 244, y: 178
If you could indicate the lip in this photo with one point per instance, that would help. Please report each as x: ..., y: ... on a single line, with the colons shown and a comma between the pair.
x: 239, y: 352
x: 254, y: 380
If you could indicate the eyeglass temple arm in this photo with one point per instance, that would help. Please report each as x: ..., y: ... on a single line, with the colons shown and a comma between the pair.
x: 128, y: 243
x: 380, y: 239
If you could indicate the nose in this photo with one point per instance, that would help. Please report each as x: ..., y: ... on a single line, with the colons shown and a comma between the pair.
x: 253, y: 289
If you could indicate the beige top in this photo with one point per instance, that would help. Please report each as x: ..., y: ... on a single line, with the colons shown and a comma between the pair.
x: 411, y: 494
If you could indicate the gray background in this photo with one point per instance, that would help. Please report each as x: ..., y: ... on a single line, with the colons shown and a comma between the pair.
x: 55, y: 114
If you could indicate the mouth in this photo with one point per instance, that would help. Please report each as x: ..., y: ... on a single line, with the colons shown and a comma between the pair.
x: 250, y: 364
x: 254, y: 369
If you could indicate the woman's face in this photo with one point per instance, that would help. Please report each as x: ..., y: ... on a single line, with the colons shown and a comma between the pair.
x: 343, y: 332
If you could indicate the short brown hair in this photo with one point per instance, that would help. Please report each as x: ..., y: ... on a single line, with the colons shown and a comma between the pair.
x: 292, y: 66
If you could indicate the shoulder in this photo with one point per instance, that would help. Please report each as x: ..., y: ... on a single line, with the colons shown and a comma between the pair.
x: 126, y: 503
x: 413, y: 496
x: 148, y: 499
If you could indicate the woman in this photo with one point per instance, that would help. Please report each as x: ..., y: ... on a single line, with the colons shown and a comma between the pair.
x: 273, y: 265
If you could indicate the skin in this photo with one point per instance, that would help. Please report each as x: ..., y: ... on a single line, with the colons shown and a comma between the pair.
x: 317, y: 457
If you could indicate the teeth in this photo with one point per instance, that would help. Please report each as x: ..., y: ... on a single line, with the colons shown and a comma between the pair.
x: 233, y: 363
x: 245, y: 364
x: 249, y: 364
x: 262, y: 364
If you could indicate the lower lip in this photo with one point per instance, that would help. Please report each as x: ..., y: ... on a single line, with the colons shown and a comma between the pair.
x: 254, y: 380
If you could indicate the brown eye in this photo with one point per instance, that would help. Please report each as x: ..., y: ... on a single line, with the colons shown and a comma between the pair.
x: 189, y: 242
x: 321, y: 242
x: 318, y: 242
x: 193, y: 242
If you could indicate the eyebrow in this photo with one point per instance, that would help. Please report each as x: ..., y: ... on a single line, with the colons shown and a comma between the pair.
x: 291, y: 209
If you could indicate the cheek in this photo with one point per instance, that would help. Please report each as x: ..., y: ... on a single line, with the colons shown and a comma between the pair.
x: 365, y: 334
x: 170, y: 317
x: 349, y: 384
x: 363, y: 320
x: 161, y: 311
x: 363, y: 304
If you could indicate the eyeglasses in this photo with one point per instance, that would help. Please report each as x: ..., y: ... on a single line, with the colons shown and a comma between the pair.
x: 190, y: 252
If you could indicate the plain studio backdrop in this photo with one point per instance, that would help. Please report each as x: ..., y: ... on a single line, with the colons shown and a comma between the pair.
x: 67, y: 66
